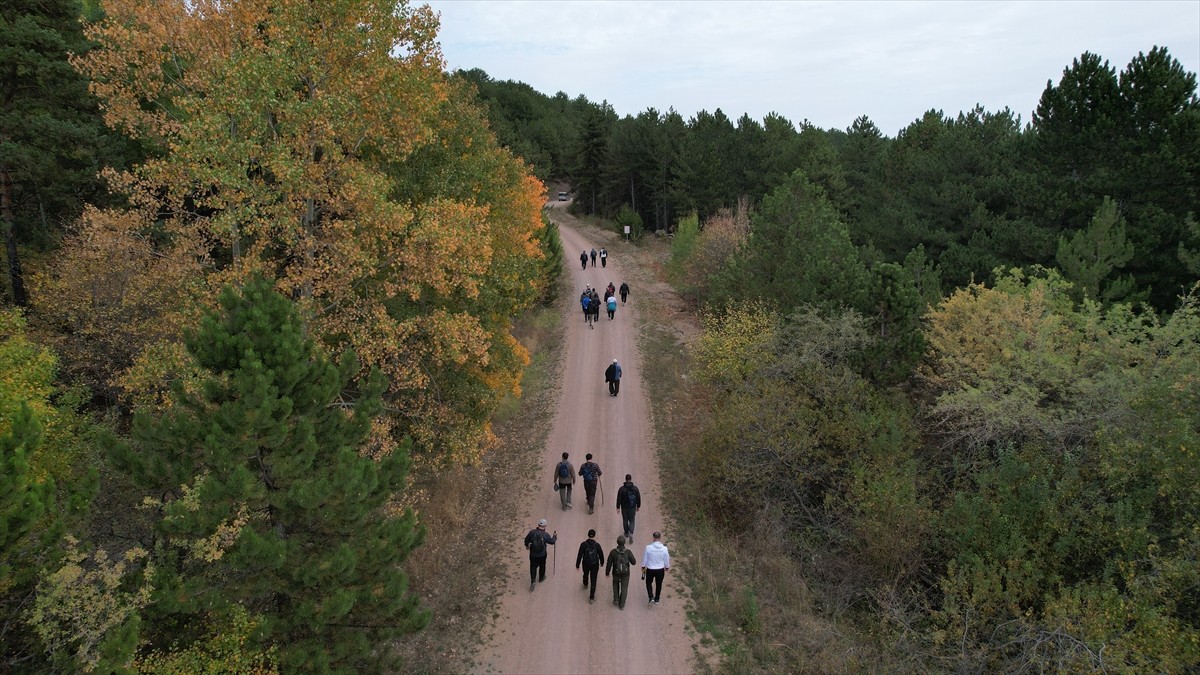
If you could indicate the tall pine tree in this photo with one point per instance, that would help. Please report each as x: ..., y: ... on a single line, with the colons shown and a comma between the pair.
x: 267, y: 500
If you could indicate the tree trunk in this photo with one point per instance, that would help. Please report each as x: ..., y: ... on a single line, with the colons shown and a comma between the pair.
x: 15, y: 279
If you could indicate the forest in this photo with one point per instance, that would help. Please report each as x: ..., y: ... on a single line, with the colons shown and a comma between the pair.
x: 263, y: 263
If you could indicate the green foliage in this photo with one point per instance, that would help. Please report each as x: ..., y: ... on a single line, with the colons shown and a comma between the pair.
x: 266, y: 499
x: 896, y: 316
x: 224, y: 650
x: 683, y: 244
x: 1091, y: 255
x: 551, y: 246
x: 627, y: 217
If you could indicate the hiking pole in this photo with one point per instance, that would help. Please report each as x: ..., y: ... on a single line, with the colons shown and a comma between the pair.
x: 554, y: 570
x: 601, y: 482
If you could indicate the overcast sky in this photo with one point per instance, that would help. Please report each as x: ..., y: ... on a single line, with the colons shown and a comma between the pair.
x: 827, y: 62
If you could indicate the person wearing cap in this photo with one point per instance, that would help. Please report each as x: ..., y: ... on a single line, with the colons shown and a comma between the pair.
x: 536, y: 541
x: 590, y: 473
x: 620, y: 561
x: 591, y: 556
x: 655, y: 563
x: 612, y: 375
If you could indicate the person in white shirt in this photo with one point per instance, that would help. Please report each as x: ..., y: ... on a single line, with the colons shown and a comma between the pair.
x: 655, y: 563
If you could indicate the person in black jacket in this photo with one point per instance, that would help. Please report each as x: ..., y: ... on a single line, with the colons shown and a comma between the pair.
x: 536, y: 541
x: 624, y: 292
x: 591, y: 556
x: 629, y: 502
x: 612, y: 375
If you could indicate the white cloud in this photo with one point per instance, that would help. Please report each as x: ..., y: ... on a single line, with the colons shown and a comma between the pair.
x: 827, y: 62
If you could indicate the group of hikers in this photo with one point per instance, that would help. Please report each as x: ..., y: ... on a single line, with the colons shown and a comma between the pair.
x: 583, y: 258
x: 656, y: 559
x: 591, y: 301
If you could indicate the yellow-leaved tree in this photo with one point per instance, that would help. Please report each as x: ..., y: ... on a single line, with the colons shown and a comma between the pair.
x: 322, y: 145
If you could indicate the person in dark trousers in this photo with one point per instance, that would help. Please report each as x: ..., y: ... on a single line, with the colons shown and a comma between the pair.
x: 612, y: 375
x: 629, y: 502
x: 586, y: 301
x: 593, y: 257
x: 656, y: 561
x: 604, y: 257
x: 536, y: 541
x: 583, y: 259
x: 620, y: 562
x: 595, y: 307
x: 591, y: 556
x: 564, y: 477
x: 612, y: 307
x: 624, y: 292
x: 590, y: 473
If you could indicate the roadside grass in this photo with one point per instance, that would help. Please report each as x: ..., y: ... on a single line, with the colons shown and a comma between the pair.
x: 455, y: 571
x: 748, y: 597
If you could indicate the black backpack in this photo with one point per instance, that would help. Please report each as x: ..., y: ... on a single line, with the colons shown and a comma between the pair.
x: 631, y: 499
x: 563, y: 471
x: 621, y: 561
x: 537, y: 545
x: 591, y: 556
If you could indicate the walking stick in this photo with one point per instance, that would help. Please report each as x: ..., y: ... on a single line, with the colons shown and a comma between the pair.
x: 601, y: 482
x: 554, y: 570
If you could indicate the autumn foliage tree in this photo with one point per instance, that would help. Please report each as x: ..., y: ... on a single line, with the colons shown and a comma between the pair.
x: 316, y: 143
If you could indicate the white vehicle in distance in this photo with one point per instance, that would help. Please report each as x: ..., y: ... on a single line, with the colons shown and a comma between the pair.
x: 563, y: 196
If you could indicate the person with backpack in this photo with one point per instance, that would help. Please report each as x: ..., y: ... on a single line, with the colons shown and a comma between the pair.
x: 594, y: 305
x: 656, y: 562
x: 593, y: 257
x: 536, y: 541
x: 624, y: 292
x: 564, y: 479
x: 604, y: 257
x: 609, y: 290
x: 612, y: 307
x: 612, y: 375
x: 629, y: 502
x: 591, y: 555
x: 583, y: 259
x: 586, y: 301
x: 590, y: 473
x: 620, y: 561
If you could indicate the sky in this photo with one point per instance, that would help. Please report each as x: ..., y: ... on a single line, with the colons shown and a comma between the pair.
x: 824, y: 62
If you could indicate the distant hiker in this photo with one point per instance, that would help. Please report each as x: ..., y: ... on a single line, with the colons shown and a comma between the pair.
x: 583, y: 259
x: 536, y: 541
x: 620, y: 561
x: 629, y: 501
x: 564, y: 478
x: 591, y: 555
x: 604, y: 257
x: 624, y: 292
x: 590, y: 473
x: 593, y: 257
x: 655, y: 563
x: 585, y: 301
x: 612, y: 306
x: 612, y: 375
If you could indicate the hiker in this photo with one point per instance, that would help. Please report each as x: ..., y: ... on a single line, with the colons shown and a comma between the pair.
x: 590, y: 473
x: 624, y: 292
x: 595, y: 307
x: 612, y: 375
x: 536, y: 541
x: 629, y: 502
x: 610, y: 290
x: 593, y: 257
x: 656, y: 561
x: 564, y: 478
x: 612, y: 306
x: 583, y: 259
x: 592, y: 556
x: 604, y: 257
x: 586, y: 301
x: 620, y: 561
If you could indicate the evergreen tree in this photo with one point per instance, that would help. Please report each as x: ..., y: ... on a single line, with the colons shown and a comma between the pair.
x: 1092, y: 254
x: 587, y: 176
x: 267, y: 500
x: 50, y: 128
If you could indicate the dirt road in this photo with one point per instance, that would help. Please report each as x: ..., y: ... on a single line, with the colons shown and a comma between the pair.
x: 553, y: 629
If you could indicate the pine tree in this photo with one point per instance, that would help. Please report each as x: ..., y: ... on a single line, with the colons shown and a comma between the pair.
x: 267, y: 500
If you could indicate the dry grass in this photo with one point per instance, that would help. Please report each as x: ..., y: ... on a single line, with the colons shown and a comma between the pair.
x: 455, y: 572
